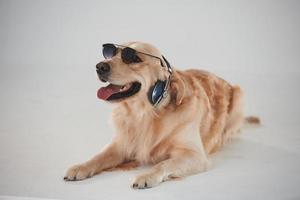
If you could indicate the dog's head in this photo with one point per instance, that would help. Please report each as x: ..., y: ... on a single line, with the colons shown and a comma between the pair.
x: 129, y: 80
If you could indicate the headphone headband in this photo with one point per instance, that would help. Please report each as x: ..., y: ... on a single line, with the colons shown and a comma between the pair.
x: 168, y: 65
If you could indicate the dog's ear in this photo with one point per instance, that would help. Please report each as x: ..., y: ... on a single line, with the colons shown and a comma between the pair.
x: 177, y: 88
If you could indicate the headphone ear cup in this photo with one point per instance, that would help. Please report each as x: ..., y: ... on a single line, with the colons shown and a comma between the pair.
x: 156, y: 91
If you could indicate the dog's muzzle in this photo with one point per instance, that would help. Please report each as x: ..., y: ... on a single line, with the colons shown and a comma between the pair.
x: 103, y: 70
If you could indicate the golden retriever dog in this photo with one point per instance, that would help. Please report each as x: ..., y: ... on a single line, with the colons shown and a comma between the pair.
x: 168, y: 118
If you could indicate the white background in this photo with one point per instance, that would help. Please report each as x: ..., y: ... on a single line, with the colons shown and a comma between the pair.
x: 51, y: 119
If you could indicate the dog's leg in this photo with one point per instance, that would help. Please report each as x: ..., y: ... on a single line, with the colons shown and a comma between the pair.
x: 125, y: 166
x: 109, y: 157
x: 181, y: 163
x: 235, y: 117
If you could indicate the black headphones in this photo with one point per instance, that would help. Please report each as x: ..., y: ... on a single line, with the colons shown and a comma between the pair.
x: 159, y: 90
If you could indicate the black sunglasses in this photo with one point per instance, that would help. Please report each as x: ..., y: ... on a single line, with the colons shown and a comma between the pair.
x: 128, y: 55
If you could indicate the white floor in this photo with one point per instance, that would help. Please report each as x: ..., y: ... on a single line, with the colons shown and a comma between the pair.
x: 51, y: 119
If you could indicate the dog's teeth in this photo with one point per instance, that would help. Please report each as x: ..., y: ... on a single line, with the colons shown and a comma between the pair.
x: 125, y: 87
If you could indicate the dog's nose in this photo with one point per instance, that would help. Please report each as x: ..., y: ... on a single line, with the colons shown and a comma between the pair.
x: 103, y: 68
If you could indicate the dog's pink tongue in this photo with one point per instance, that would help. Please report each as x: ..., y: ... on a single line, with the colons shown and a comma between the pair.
x: 105, y: 92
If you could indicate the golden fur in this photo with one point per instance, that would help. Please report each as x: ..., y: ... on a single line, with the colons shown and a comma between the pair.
x: 199, y: 115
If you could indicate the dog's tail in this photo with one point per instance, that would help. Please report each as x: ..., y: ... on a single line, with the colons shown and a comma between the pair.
x: 252, y: 120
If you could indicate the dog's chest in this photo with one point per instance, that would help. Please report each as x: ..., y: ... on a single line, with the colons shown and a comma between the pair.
x: 138, y: 136
x: 140, y: 139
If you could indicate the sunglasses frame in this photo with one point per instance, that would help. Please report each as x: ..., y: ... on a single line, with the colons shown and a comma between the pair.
x: 123, y: 47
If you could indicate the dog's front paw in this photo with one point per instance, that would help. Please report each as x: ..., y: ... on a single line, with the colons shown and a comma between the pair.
x: 79, y: 172
x: 146, y: 181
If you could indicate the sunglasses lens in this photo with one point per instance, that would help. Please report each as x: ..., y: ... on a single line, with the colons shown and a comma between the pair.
x: 109, y: 50
x: 128, y: 55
